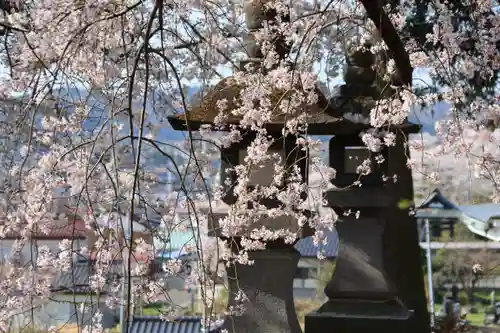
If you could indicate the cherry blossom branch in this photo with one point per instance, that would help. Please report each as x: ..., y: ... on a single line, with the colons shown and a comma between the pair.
x: 391, y: 38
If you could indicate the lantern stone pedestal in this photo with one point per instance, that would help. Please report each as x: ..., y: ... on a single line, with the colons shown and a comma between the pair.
x: 363, y: 316
x: 377, y: 284
x: 361, y: 295
x: 378, y: 280
x: 267, y: 283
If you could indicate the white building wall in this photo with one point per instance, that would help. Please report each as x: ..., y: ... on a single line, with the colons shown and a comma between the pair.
x: 64, y: 309
x: 30, y: 249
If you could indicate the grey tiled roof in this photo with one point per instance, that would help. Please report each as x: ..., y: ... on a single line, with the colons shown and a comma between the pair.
x: 307, y: 248
x: 77, y: 280
x: 157, y: 325
x: 74, y: 281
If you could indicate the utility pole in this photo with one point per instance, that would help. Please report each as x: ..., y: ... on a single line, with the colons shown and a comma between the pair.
x: 429, y: 270
x: 125, y: 270
x: 193, y: 296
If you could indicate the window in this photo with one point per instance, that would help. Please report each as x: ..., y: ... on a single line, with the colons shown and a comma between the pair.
x: 354, y: 157
x: 436, y: 230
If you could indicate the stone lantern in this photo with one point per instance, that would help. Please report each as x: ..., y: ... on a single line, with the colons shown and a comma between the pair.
x: 378, y: 280
x: 364, y: 282
x: 268, y: 283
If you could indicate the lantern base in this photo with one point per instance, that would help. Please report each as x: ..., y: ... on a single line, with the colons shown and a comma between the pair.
x: 268, y: 287
x: 359, y: 316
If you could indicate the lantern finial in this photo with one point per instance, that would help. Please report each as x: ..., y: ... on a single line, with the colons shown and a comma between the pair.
x: 365, y: 81
x: 257, y: 14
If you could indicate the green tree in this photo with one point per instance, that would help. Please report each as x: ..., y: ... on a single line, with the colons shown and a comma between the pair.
x: 456, y: 265
x: 324, y: 275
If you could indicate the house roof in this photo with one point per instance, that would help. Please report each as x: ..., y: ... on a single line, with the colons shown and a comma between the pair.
x: 74, y: 281
x: 66, y: 230
x: 307, y: 248
x: 157, y: 325
x: 77, y: 280
x: 437, y: 200
x: 480, y: 219
x: 482, y: 212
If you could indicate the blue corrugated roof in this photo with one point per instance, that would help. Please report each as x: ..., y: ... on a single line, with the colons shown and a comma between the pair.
x: 307, y: 248
x: 157, y: 325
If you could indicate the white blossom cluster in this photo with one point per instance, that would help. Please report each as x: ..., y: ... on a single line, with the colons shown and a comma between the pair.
x: 89, y: 139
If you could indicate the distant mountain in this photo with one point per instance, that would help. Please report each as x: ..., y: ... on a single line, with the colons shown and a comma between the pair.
x: 99, y: 110
x: 428, y: 117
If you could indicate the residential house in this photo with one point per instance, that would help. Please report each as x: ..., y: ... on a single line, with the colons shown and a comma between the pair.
x: 482, y: 220
x: 72, y: 289
x: 65, y: 226
x: 71, y: 294
x: 479, y: 225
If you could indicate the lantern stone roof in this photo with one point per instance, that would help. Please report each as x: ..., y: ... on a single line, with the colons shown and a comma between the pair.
x: 319, y: 116
x: 206, y: 111
x: 327, y: 117
x: 230, y: 90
